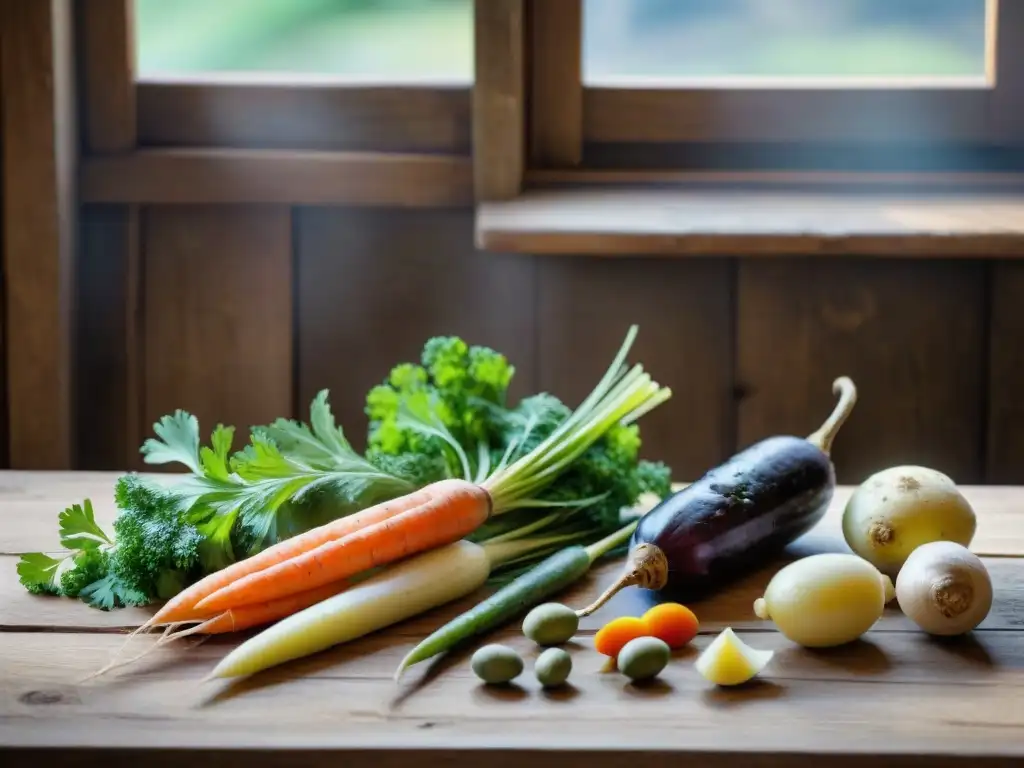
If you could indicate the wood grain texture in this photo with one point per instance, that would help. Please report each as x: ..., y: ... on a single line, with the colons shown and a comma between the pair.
x: 304, y: 115
x: 684, y: 311
x: 1005, y: 422
x: 499, y: 98
x: 108, y: 355
x: 912, y: 337
x: 217, y: 298
x: 915, y: 701
x: 733, y: 112
x: 107, y: 36
x: 436, y: 283
x: 40, y: 154
x: 556, y: 87
x: 194, y: 176
x: 623, y: 222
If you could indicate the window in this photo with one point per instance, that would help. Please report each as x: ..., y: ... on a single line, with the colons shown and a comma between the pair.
x: 665, y: 39
x: 389, y: 40
x: 797, y: 71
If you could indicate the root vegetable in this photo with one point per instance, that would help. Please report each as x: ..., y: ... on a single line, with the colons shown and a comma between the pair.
x: 730, y: 661
x: 898, y: 509
x: 944, y: 588
x: 825, y: 600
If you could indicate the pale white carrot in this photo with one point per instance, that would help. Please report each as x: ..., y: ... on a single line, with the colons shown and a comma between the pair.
x: 394, y: 594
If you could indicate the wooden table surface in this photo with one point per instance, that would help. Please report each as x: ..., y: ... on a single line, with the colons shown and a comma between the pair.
x: 897, y: 697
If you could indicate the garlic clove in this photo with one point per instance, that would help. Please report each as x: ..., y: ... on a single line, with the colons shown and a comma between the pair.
x: 944, y: 588
x: 730, y: 661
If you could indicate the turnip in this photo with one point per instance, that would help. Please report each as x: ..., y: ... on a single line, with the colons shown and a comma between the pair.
x: 897, y: 510
x: 944, y: 588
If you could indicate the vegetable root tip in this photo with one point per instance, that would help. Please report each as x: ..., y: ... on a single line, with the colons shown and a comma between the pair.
x: 761, y: 609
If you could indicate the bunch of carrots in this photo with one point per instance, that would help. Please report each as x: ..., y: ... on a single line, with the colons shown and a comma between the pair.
x: 360, y: 573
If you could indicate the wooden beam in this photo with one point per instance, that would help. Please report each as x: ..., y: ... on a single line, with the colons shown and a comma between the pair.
x: 1006, y: 59
x: 706, y: 222
x: 499, y: 112
x: 278, y: 176
x: 108, y: 74
x: 556, y: 87
x: 214, y: 112
x: 40, y: 156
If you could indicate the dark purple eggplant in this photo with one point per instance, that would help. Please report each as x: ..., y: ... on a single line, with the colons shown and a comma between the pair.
x: 737, y: 516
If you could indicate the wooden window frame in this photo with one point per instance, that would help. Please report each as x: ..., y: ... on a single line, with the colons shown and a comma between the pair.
x: 294, y: 141
x: 573, y: 128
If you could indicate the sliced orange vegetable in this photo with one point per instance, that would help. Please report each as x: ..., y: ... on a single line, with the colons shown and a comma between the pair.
x: 616, y: 633
x: 674, y: 623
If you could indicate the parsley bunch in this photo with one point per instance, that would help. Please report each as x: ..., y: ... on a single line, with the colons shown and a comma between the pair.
x: 290, y: 477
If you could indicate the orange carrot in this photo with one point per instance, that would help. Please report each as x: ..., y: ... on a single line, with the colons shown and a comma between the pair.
x: 456, y: 510
x: 182, y: 607
x: 236, y: 620
x: 257, y: 614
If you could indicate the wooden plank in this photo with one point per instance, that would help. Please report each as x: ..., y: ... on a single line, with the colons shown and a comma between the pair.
x: 374, y: 285
x: 193, y: 176
x: 108, y: 74
x: 304, y: 115
x: 912, y: 337
x: 40, y: 145
x: 499, y: 95
x: 685, y: 315
x: 729, y: 111
x: 624, y: 222
x: 753, y: 180
x: 556, y: 87
x: 217, y: 293
x: 731, y: 607
x: 108, y: 352
x: 914, y: 702
x: 1005, y: 422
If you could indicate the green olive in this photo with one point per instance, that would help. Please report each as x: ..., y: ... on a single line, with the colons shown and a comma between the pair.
x: 496, y: 664
x: 551, y: 624
x: 643, y: 658
x: 552, y: 667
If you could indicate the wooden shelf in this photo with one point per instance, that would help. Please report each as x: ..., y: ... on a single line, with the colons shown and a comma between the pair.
x: 704, y: 222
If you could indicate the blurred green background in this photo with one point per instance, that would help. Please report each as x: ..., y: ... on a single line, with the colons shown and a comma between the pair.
x: 433, y: 39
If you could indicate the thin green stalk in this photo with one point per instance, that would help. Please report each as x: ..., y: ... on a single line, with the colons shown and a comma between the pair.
x: 610, y: 542
x: 503, y: 552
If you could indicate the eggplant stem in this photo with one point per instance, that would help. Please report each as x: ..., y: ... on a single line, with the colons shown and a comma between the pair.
x: 647, y: 567
x: 844, y: 387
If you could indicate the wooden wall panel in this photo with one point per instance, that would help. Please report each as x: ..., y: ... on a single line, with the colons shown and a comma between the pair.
x: 912, y: 337
x: 40, y: 157
x: 217, y: 304
x: 374, y: 285
x: 1005, y: 446
x: 684, y: 311
x: 108, y: 354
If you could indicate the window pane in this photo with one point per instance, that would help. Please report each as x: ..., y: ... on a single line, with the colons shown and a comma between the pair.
x: 382, y: 39
x: 783, y: 38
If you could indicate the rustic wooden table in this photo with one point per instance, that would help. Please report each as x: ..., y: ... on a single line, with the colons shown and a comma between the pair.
x: 895, y: 698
